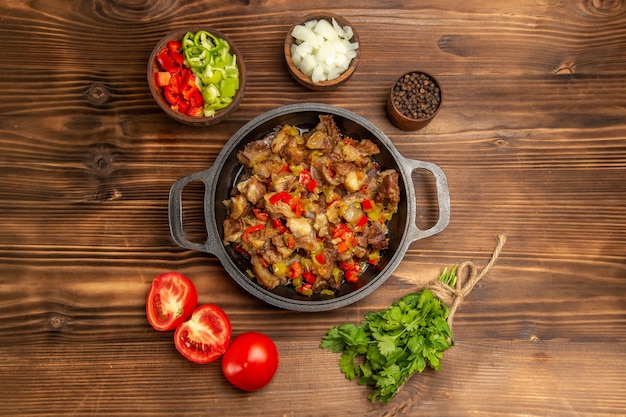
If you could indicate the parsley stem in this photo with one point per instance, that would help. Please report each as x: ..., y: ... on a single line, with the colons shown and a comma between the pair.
x: 449, y: 277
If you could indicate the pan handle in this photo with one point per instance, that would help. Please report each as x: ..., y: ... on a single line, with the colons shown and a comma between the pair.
x: 176, y: 209
x: 443, y: 198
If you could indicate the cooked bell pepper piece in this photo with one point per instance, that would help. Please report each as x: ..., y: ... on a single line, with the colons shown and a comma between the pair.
x: 304, y: 177
x: 279, y: 225
x: 373, y: 258
x: 283, y: 196
x: 351, y: 270
x: 290, y: 240
x: 342, y: 247
x: 309, y: 277
x: 280, y: 269
x: 362, y: 221
x: 252, y: 229
x: 305, y: 289
x: 295, y: 270
x: 242, y: 251
x: 367, y: 204
x: 261, y: 215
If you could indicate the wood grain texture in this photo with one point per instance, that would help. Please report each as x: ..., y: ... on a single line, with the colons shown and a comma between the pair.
x: 531, y: 135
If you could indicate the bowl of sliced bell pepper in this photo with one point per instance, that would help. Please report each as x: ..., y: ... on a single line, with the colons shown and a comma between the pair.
x: 197, y: 75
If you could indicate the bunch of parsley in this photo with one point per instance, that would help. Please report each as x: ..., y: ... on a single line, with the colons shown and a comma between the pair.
x: 392, y: 344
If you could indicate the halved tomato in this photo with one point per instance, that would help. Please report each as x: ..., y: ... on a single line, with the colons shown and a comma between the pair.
x: 205, y: 336
x: 171, y: 300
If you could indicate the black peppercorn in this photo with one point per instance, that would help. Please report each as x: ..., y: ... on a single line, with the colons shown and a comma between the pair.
x: 416, y: 95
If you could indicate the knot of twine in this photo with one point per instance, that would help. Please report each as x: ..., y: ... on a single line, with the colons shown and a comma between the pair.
x: 453, y: 296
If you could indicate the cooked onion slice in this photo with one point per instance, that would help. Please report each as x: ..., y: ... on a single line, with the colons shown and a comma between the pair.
x: 322, y: 50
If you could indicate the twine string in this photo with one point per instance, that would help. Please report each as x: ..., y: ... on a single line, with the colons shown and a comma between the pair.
x: 467, y: 278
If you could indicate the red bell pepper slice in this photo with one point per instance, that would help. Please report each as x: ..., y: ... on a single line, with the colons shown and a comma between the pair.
x: 342, y: 231
x: 196, y: 99
x: 279, y: 225
x: 162, y: 78
x: 351, y: 275
x: 310, y: 186
x: 290, y: 240
x: 295, y: 270
x: 342, y: 247
x: 296, y: 205
x: 170, y: 96
x: 175, y: 82
x: 181, y: 106
x: 178, y: 83
x: 283, y: 196
x: 252, y: 229
x: 261, y: 215
x: 165, y: 61
x: 351, y: 270
x: 307, y: 180
x: 174, y: 46
x: 242, y: 251
x: 309, y: 277
x: 362, y: 221
x: 177, y: 58
x: 284, y: 168
x: 367, y: 204
x: 194, y: 111
x: 304, y: 177
x: 305, y: 289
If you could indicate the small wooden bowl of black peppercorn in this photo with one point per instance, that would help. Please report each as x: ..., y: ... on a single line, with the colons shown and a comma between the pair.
x: 414, y: 100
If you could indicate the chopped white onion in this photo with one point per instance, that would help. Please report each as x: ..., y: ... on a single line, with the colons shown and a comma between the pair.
x: 340, y: 31
x: 322, y: 50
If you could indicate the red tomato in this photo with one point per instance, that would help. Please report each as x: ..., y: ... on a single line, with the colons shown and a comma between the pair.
x: 251, y: 361
x: 171, y: 300
x: 205, y: 336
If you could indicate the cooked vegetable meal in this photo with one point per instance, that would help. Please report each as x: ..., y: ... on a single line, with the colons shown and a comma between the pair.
x: 311, y: 209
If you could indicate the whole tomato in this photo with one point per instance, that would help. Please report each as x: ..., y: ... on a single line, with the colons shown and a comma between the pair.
x: 251, y: 361
x: 172, y: 297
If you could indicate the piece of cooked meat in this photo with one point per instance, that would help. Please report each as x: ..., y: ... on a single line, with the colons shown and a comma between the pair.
x: 263, y: 274
x: 389, y: 189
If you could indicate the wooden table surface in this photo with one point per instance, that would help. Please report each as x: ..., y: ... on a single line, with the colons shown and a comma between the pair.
x: 531, y: 136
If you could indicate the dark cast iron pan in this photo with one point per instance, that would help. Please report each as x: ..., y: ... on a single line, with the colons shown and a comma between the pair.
x: 221, y: 177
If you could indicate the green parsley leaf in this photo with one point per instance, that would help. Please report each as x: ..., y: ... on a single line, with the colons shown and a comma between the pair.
x: 386, y: 345
x: 348, y: 365
x: 391, y: 345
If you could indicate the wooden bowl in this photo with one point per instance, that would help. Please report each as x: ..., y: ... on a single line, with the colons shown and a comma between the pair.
x: 305, y: 80
x: 406, y: 112
x: 157, y: 92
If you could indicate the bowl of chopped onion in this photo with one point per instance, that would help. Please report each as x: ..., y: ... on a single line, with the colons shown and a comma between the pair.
x: 197, y: 75
x: 310, y: 207
x: 322, y: 51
